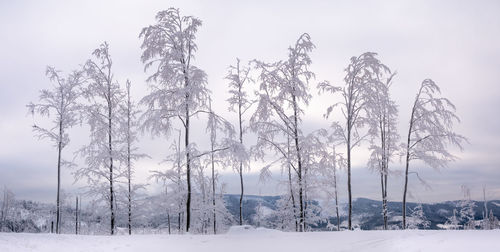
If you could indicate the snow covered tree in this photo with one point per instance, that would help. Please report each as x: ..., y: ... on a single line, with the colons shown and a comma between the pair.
x: 129, y: 129
x: 7, y: 203
x: 489, y: 221
x: 314, y: 154
x: 485, y: 222
x: 216, y: 124
x: 430, y: 132
x: 286, y: 214
x: 76, y: 216
x: 212, y: 128
x: 239, y: 78
x: 61, y: 104
x: 382, y: 117
x: 66, y: 221
x: 103, y: 153
x: 467, y: 209
x: 172, y: 178
x: 259, y: 214
x: 418, y: 219
x: 285, y: 217
x: 177, y: 88
x: 314, y: 147
x: 203, y: 208
x: 361, y: 80
x: 493, y: 220
x: 453, y: 221
x: 284, y: 91
x: 330, y: 163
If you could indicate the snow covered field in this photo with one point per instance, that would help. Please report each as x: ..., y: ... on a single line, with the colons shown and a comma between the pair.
x: 241, y: 240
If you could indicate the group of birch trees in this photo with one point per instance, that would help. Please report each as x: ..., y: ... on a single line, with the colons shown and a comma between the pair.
x: 91, y: 94
x: 269, y: 100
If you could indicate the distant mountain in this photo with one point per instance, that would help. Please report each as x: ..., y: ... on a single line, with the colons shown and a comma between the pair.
x: 30, y: 216
x: 367, y: 213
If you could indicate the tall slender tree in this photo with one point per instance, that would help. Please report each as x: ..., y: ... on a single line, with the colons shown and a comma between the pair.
x: 239, y: 102
x: 284, y: 92
x: 213, y: 125
x: 430, y: 132
x: 102, y: 112
x: 361, y: 76
x: 212, y: 128
x: 129, y: 129
x: 383, y: 114
x: 177, y: 88
x: 129, y: 161
x: 61, y: 104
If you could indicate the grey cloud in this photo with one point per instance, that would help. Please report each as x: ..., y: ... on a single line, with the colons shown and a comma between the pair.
x: 454, y: 42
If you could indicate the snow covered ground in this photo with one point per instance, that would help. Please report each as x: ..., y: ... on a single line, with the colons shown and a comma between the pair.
x: 261, y: 240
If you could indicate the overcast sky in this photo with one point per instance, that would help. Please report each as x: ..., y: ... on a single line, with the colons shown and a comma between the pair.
x: 456, y: 43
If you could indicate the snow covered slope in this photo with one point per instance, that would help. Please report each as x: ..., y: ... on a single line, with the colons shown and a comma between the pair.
x: 244, y: 239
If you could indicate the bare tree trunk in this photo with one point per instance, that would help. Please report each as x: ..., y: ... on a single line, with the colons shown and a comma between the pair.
x: 188, y: 169
x: 186, y: 142
x: 349, y: 192
x: 168, y: 221
x: 305, y: 198
x: 337, y: 210
x: 179, y: 222
x: 241, y: 195
x: 58, y: 201
x: 76, y: 216
x: 179, y: 183
x: 406, y: 176
x: 129, y: 208
x: 386, y: 211
x: 299, y: 165
x: 213, y: 190
x: 408, y: 162
x: 241, y: 163
x: 386, y: 173
x: 293, y: 199
x: 335, y: 187
x: 410, y: 129
x: 129, y: 172
x: 383, y: 169
x: 350, y: 125
x: 110, y: 146
x: 384, y: 214
x: 292, y: 196
x: 79, y: 214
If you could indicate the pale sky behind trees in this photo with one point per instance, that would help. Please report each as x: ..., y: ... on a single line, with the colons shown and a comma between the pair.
x: 455, y: 43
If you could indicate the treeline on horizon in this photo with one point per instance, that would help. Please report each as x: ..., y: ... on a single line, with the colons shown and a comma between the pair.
x: 260, y: 211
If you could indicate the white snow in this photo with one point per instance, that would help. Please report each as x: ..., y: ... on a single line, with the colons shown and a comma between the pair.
x: 266, y: 211
x: 443, y: 212
x: 247, y: 238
